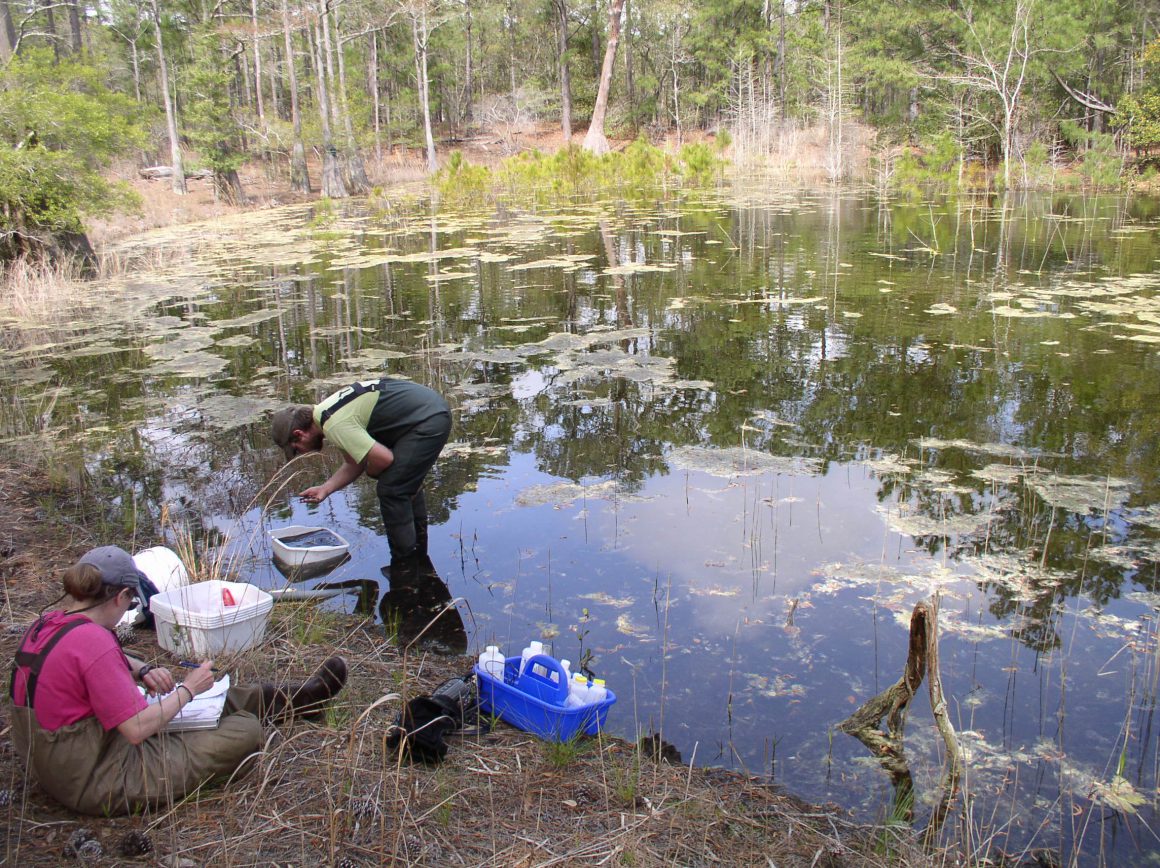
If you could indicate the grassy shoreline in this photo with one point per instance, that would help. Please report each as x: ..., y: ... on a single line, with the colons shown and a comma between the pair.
x: 322, y: 794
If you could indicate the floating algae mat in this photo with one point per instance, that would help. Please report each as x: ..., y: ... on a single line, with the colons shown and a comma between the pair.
x: 693, y: 439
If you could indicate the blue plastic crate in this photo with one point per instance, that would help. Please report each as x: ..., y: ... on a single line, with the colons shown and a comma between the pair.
x: 534, y: 702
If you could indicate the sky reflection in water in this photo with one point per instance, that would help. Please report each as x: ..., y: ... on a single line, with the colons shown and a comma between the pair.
x: 726, y: 464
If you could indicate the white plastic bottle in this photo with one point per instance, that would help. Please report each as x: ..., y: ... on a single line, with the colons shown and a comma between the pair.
x: 491, y: 661
x: 566, y: 665
x: 577, y: 691
x: 531, y: 651
x: 597, y: 691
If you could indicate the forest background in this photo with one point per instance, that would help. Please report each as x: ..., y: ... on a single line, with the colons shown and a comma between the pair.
x: 992, y: 94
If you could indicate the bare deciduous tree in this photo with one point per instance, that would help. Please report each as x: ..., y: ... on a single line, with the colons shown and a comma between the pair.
x: 178, y: 177
x: 997, y: 65
x: 299, y: 176
x: 595, y: 141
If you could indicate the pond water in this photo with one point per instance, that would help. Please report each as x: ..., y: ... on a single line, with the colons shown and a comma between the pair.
x: 717, y: 448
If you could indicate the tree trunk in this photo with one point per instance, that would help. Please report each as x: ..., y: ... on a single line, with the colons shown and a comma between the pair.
x: 356, y: 170
x: 511, y: 29
x: 595, y: 141
x: 178, y: 178
x: 50, y: 27
x: 74, y: 27
x: 419, y: 35
x: 560, y: 7
x: 7, y: 31
x: 595, y: 33
x: 276, y: 83
x: 332, y: 184
x: 73, y: 247
x: 630, y: 79
x: 469, y: 71
x: 299, y: 176
x: 257, y: 45
x: 781, y: 65
x: 373, y: 79
x: 227, y: 187
x: 922, y: 659
x: 241, y: 64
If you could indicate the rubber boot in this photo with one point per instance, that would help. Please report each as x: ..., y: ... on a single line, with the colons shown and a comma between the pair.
x: 310, y: 696
x: 420, y: 534
x: 304, y: 700
x: 401, y: 539
x: 274, y: 703
x: 419, y: 510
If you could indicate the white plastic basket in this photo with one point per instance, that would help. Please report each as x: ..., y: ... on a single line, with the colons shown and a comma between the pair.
x: 281, y: 540
x: 195, y: 621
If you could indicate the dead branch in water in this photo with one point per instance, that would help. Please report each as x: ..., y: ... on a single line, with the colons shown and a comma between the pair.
x: 864, y: 724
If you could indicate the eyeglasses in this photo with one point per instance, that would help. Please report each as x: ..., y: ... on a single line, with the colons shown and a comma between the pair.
x: 133, y: 598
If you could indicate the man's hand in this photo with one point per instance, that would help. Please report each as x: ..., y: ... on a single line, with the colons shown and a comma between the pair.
x: 315, y: 494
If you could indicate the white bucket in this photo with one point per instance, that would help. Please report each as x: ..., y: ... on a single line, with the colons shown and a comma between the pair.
x: 164, y: 569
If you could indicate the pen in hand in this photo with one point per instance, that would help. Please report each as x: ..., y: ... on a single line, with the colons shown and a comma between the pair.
x: 185, y: 664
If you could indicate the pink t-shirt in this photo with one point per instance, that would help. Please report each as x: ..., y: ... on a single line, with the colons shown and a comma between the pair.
x: 85, y: 675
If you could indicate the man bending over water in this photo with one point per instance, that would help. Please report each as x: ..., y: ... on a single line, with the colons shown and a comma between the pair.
x: 392, y: 430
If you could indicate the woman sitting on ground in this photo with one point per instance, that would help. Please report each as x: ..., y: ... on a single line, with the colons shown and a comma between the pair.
x: 86, y: 731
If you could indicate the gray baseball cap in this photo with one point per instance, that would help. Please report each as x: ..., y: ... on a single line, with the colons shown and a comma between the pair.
x: 116, y: 566
x: 285, y: 422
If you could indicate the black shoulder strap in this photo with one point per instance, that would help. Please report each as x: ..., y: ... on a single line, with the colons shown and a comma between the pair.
x: 357, y: 390
x: 35, y: 662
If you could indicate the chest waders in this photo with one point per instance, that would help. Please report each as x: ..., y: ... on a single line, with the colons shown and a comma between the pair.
x: 357, y: 390
x: 400, y: 487
x: 99, y: 772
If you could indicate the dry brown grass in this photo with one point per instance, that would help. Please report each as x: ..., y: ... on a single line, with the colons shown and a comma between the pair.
x: 39, y: 292
x: 319, y: 794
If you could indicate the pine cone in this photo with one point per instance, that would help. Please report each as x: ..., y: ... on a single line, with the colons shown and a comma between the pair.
x: 360, y: 809
x: 77, y: 840
x: 135, y: 844
x: 5, y: 798
x: 90, y: 851
x: 346, y: 862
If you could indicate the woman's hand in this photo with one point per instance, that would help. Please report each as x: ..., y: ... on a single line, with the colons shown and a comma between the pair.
x: 150, y: 720
x: 158, y: 681
x: 199, y: 680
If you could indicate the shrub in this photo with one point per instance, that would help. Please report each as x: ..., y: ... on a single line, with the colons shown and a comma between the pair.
x: 59, y: 126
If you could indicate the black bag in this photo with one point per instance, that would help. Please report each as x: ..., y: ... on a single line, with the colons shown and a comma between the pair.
x: 146, y: 590
x: 425, y: 721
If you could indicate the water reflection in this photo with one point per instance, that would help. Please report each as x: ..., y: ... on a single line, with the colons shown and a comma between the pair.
x: 417, y: 607
x: 720, y: 447
x: 306, y: 571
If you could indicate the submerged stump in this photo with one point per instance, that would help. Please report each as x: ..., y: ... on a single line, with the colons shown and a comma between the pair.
x: 865, y: 723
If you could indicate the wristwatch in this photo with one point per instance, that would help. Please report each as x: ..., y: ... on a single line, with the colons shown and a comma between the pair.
x: 145, y: 670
